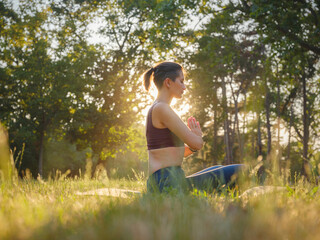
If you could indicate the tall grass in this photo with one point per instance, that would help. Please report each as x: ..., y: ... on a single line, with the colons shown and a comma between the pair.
x: 37, y: 209
x: 52, y: 209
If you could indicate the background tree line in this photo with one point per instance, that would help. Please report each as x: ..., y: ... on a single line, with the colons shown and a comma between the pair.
x: 67, y: 97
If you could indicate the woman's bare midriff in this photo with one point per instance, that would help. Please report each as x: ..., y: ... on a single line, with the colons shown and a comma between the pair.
x: 165, y: 157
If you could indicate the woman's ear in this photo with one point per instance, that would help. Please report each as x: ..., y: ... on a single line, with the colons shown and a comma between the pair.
x: 167, y: 82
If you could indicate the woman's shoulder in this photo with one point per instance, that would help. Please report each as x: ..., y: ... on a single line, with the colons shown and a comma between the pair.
x: 164, y: 112
x: 161, y: 107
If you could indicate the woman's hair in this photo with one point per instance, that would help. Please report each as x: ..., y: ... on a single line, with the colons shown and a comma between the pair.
x: 160, y: 72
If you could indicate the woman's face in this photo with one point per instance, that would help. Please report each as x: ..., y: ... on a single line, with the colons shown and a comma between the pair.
x: 178, y: 86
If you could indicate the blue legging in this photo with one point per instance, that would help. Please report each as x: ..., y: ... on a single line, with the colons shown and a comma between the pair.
x: 207, y: 179
x: 206, y: 170
x: 214, y: 176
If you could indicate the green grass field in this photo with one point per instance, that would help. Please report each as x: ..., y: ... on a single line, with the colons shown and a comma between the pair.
x: 36, y: 209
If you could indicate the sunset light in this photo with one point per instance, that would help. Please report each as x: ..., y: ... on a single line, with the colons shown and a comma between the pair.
x: 232, y: 151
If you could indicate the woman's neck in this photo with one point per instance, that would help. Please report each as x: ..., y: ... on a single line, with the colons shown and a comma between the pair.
x: 164, y: 97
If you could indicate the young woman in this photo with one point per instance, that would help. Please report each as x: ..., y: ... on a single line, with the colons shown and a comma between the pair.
x: 169, y: 139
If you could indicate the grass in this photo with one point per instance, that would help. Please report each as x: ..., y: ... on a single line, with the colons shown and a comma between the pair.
x: 36, y: 209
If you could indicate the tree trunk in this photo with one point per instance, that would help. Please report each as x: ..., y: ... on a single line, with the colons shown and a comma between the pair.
x: 289, y: 132
x: 253, y: 146
x: 101, y: 165
x: 215, y: 136
x: 259, y: 136
x: 239, y: 134
x: 244, y: 123
x: 278, y: 125
x: 236, y: 123
x: 228, y: 158
x: 41, y: 148
x: 226, y: 141
x: 42, y: 131
x: 306, y: 122
x: 267, y: 106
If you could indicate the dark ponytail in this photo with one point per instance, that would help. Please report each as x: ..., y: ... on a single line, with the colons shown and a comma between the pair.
x: 146, y: 79
x: 160, y: 72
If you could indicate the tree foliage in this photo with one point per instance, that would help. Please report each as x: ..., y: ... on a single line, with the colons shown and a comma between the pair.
x: 70, y: 72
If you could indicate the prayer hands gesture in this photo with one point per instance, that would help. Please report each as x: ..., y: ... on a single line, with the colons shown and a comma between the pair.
x: 194, y: 126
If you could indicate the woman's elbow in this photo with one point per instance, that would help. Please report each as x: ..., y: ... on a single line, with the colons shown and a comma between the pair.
x: 197, y: 145
x: 200, y: 144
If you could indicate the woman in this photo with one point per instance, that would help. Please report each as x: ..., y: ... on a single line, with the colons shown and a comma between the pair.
x: 169, y: 139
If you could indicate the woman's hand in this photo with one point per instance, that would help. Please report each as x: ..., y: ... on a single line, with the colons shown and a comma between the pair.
x: 194, y: 126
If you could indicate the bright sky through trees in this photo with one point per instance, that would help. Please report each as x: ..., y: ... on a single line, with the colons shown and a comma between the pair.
x: 70, y: 70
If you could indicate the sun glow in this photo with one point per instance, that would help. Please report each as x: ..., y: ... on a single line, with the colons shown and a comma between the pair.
x: 180, y: 107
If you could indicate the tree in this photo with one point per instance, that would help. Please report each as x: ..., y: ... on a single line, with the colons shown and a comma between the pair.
x: 135, y: 31
x: 225, y: 64
x: 40, y: 79
x: 296, y: 22
x: 291, y: 31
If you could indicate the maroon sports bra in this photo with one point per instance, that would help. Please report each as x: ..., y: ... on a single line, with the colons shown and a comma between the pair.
x: 160, y: 137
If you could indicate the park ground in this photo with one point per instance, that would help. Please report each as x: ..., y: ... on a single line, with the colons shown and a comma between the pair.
x: 53, y: 209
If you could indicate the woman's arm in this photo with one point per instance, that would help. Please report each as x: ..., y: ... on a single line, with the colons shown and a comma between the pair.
x: 191, y: 136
